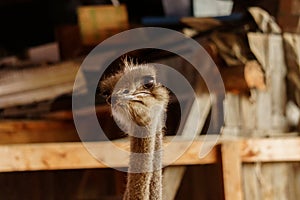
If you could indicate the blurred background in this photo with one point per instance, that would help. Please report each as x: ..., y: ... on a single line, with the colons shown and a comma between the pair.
x: 255, y: 46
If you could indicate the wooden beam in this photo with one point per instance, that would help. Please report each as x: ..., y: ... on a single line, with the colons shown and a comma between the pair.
x: 37, y: 83
x: 172, y: 178
x: 173, y: 175
x: 36, y: 95
x: 29, y: 131
x: 232, y: 169
x: 54, y: 156
x: 14, y: 81
x: 271, y: 150
x: 201, y: 24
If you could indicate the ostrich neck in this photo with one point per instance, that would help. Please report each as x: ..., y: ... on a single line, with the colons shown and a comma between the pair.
x: 144, y: 178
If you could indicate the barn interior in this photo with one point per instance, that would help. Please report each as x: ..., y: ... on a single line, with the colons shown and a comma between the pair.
x: 232, y: 69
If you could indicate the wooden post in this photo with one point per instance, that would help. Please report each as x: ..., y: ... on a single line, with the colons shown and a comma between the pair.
x: 232, y: 116
x: 292, y: 56
x: 270, y: 104
x: 172, y: 178
x: 231, y: 166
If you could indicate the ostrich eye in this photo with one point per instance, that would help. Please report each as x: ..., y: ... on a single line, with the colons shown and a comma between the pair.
x: 148, y: 82
x: 105, y: 94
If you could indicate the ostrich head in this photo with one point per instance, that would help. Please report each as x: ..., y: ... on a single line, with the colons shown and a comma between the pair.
x: 133, y: 93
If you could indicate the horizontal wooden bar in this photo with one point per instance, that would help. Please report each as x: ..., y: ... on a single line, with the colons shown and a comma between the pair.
x: 55, y: 156
x: 31, y: 85
x: 37, y: 131
x: 281, y: 149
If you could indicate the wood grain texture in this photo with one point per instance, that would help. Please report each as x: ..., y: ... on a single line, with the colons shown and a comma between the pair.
x: 172, y: 178
x: 232, y: 169
x: 30, y: 131
x: 37, y: 84
x: 54, y: 156
x: 271, y: 150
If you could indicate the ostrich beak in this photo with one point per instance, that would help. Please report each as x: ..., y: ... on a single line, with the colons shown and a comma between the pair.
x: 119, y: 98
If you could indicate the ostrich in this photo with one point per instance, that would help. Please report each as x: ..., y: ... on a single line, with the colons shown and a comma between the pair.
x: 139, y: 105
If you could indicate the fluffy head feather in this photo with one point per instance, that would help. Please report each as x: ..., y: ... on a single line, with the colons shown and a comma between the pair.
x: 134, y: 93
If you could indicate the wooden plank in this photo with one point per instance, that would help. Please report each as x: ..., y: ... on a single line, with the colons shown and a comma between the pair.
x: 248, y: 110
x: 292, y: 57
x: 200, y: 108
x: 271, y: 150
x: 32, y: 96
x: 292, y: 47
x: 201, y: 24
x: 37, y: 84
x: 51, y: 156
x: 54, y: 156
x: 98, y: 22
x: 172, y: 178
x: 274, y: 181
x: 251, y: 185
x: 297, y: 178
x: 232, y: 169
x: 29, y: 131
x: 37, y: 77
x: 277, y: 81
x: 271, y: 103
x: 47, y: 156
x: 232, y: 112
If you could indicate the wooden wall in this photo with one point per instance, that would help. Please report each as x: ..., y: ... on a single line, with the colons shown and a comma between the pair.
x: 199, y: 182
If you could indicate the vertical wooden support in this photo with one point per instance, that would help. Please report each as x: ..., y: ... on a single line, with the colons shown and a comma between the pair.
x: 173, y: 175
x: 252, y: 186
x: 271, y: 104
x: 232, y: 114
x: 270, y: 181
x: 172, y: 178
x: 232, y: 169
